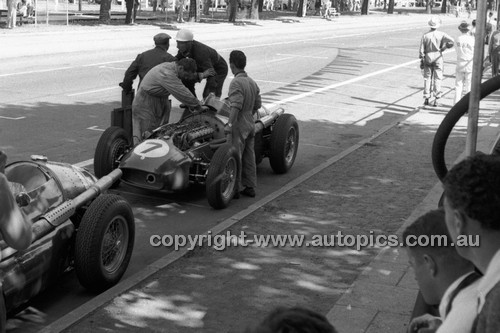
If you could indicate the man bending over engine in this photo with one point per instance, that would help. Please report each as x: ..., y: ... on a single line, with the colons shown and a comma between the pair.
x: 151, y: 107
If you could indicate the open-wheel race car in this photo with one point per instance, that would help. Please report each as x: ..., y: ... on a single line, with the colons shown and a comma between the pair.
x: 195, y: 150
x: 75, y: 224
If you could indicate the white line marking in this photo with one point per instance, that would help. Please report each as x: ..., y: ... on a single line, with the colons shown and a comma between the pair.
x: 95, y: 128
x: 111, y: 67
x: 63, y: 68
x: 280, y: 59
x: 11, y: 118
x: 377, y: 63
x: 340, y: 84
x: 300, y: 56
x: 92, y: 91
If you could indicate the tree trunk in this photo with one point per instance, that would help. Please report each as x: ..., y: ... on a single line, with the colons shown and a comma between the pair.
x: 302, y: 10
x: 428, y: 7
x: 105, y: 12
x: 206, y: 7
x: 364, y: 7
x: 232, y: 7
x: 194, y: 11
x: 390, y: 8
x: 253, y: 11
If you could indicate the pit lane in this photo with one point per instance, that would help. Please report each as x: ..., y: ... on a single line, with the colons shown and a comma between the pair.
x: 332, y: 120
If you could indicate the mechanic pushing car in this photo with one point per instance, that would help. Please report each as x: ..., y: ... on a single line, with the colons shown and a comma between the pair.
x: 211, y: 65
x: 244, y: 96
x: 151, y: 107
x: 147, y: 60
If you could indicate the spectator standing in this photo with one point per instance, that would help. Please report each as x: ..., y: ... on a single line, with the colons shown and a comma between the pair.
x: 11, y: 13
x: 147, y: 60
x: 211, y: 65
x: 472, y: 206
x: 465, y: 52
x: 494, y: 52
x: 132, y: 6
x: 245, y: 100
x: 151, y: 106
x: 432, y: 45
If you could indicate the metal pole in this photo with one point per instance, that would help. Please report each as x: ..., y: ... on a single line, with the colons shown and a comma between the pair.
x: 477, y: 73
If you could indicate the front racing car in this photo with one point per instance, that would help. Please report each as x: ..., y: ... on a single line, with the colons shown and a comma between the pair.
x: 194, y: 150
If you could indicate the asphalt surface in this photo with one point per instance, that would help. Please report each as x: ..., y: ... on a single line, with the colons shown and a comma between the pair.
x: 351, y: 98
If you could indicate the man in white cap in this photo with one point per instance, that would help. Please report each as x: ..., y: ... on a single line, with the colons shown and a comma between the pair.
x: 211, y: 65
x: 432, y: 45
x: 147, y: 60
x: 465, y: 52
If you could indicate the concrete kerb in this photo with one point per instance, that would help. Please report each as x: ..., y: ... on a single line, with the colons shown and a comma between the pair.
x: 107, y: 296
x: 362, y: 309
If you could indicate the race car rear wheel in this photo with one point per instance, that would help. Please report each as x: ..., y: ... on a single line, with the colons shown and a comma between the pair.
x: 222, y: 176
x: 112, y: 144
x: 284, y: 143
x: 104, y: 242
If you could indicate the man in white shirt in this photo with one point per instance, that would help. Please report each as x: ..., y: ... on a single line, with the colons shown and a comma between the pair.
x: 443, y: 276
x: 464, y: 45
x: 472, y: 206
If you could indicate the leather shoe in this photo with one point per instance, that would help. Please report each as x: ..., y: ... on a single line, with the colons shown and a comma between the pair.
x: 249, y: 192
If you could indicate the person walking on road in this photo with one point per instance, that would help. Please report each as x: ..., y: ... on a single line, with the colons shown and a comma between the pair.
x: 432, y: 45
x: 494, y: 52
x: 151, y: 107
x: 211, y: 65
x: 147, y: 60
x: 131, y: 6
x: 465, y: 52
x: 245, y: 100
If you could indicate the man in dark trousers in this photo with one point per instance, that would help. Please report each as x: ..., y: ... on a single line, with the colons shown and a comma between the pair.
x: 244, y: 96
x: 147, y: 60
x: 131, y: 6
x: 211, y: 65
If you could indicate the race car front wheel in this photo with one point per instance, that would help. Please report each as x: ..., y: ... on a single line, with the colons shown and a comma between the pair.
x: 111, y: 146
x: 104, y: 242
x: 222, y: 176
x: 284, y: 143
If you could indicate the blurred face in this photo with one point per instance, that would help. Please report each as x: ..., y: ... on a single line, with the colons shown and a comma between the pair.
x: 185, y: 75
x: 184, y: 47
x: 454, y: 224
x: 423, y: 276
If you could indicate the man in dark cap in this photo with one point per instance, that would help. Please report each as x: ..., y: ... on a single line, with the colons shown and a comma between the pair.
x: 147, y: 60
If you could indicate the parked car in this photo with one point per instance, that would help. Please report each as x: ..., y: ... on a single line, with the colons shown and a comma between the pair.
x: 75, y: 225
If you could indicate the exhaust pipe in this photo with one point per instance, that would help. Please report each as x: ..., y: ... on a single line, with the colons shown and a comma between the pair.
x: 268, y: 120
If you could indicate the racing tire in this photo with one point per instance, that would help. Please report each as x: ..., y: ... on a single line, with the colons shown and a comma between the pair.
x: 104, y: 242
x: 284, y: 143
x: 113, y: 143
x: 222, y: 176
x: 258, y: 148
x: 449, y: 121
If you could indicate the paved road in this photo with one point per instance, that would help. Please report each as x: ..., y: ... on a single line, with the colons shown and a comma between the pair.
x: 343, y: 83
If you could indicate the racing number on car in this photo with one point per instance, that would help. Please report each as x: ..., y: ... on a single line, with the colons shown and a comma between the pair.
x: 152, y: 149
